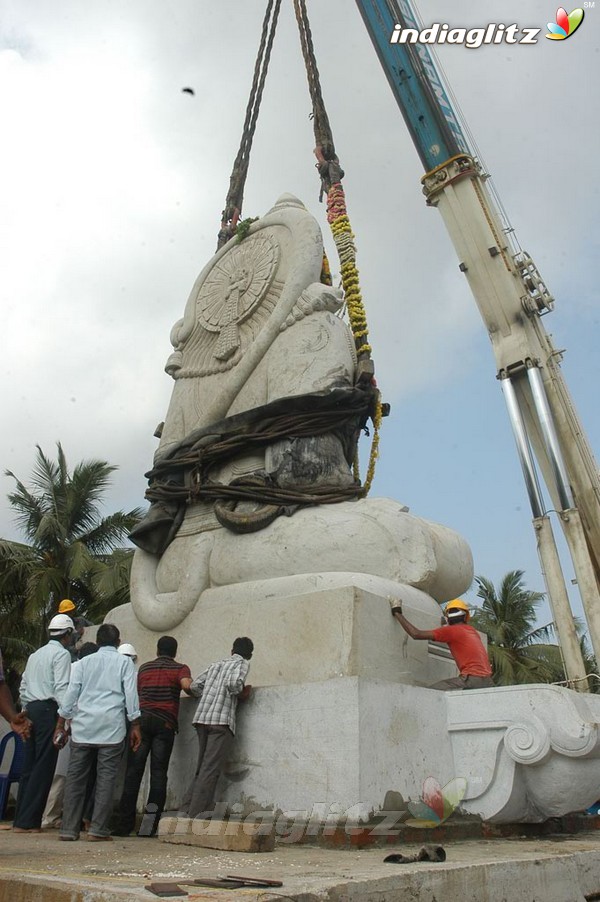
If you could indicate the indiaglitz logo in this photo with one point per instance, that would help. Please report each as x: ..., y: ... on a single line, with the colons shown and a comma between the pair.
x: 472, y: 38
x: 566, y: 24
x: 410, y: 32
x: 436, y: 804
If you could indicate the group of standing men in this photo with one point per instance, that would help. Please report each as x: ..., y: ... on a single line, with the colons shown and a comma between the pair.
x: 101, y: 702
x: 103, y: 706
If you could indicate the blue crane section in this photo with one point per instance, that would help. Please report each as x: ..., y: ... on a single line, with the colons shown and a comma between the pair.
x: 415, y: 82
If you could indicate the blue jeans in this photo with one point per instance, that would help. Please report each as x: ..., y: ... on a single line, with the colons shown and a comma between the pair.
x: 157, y: 741
x: 107, y: 759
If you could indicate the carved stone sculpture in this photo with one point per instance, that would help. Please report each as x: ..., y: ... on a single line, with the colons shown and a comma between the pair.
x: 260, y: 341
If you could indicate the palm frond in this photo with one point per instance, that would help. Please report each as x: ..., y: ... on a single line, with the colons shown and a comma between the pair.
x: 519, y: 650
x: 111, y: 531
x: 69, y: 548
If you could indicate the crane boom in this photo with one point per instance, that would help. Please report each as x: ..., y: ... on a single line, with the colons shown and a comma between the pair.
x: 512, y: 299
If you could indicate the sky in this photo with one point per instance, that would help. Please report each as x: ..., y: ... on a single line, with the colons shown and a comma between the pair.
x: 113, y: 184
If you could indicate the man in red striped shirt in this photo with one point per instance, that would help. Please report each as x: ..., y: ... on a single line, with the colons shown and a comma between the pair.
x: 160, y: 683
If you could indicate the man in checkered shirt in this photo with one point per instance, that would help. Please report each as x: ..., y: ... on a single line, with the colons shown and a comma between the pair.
x: 219, y: 687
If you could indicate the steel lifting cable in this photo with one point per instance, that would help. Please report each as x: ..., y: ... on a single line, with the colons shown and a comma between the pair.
x: 331, y: 175
x: 235, y: 195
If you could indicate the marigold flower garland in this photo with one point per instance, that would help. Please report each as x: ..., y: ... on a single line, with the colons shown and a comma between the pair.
x: 338, y: 220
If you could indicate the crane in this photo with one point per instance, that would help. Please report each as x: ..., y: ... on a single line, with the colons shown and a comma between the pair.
x: 512, y: 299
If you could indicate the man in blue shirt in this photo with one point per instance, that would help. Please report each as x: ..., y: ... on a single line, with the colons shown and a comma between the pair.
x: 101, y: 694
x: 43, y: 686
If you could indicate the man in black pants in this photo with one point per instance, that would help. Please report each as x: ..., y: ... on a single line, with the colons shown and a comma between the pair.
x: 43, y: 688
x: 159, y: 683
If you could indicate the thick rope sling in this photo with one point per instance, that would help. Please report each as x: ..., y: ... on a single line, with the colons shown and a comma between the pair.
x: 230, y: 219
x: 183, y: 475
x: 331, y: 175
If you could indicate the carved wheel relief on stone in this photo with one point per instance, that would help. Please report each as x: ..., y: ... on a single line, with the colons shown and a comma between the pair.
x: 234, y: 301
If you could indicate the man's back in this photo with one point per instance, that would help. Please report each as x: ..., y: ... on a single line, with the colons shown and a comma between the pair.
x: 101, y: 691
x: 466, y: 647
x: 218, y: 687
x: 46, y: 673
x: 159, y: 687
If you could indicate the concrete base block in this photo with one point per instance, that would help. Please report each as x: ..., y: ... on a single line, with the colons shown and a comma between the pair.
x: 225, y: 835
x: 340, y: 717
x: 325, y: 752
x: 306, y: 629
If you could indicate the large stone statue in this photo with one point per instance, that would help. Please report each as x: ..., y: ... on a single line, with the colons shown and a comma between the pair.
x: 258, y: 527
x: 260, y: 327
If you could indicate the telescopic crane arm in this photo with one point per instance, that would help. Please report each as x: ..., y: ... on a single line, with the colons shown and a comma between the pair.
x: 512, y: 298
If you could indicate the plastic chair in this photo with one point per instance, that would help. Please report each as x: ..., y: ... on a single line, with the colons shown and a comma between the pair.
x: 15, y: 770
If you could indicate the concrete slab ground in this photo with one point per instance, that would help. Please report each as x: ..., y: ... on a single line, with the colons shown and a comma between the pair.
x: 39, y: 868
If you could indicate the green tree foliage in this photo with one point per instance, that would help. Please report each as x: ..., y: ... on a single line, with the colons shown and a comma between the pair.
x: 70, y: 550
x: 520, y: 652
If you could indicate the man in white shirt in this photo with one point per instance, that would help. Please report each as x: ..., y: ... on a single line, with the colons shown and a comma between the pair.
x: 43, y: 687
x: 102, y: 693
x: 218, y: 688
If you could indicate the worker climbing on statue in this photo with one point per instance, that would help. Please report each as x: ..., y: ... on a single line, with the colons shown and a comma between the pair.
x: 462, y: 639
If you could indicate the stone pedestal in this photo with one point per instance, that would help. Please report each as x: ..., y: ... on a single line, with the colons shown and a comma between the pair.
x: 335, y: 719
x: 328, y: 750
x: 306, y: 629
x: 340, y: 717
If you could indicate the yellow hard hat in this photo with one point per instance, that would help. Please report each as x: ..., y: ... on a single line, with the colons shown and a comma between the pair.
x: 65, y: 606
x: 459, y: 606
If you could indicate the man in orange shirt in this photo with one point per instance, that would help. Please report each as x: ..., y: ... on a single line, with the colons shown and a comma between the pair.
x: 464, y: 643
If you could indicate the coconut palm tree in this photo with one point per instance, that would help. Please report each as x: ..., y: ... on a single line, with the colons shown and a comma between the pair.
x: 70, y: 551
x: 520, y: 651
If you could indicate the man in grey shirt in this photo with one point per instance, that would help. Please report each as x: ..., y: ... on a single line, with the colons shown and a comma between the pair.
x: 43, y: 687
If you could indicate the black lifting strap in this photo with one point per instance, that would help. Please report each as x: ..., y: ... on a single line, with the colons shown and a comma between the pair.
x: 235, y: 196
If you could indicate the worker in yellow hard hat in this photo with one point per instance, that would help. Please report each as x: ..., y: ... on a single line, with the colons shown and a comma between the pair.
x: 462, y: 639
x: 66, y: 606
